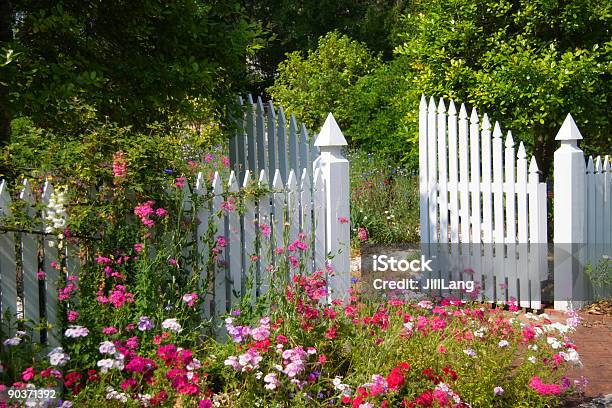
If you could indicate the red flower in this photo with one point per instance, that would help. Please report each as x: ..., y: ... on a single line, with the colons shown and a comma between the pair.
x: 450, y: 372
x: 395, y: 379
x: 331, y: 333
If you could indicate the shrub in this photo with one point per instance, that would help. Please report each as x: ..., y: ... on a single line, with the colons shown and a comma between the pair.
x: 384, y: 200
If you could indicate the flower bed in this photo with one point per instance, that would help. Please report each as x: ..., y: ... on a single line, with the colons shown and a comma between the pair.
x: 134, y: 333
x: 307, y: 352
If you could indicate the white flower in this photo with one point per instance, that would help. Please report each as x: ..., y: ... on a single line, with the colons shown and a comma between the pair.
x: 172, y: 325
x: 470, y: 352
x: 503, y: 343
x: 107, y: 347
x: 76, y: 331
x: 13, y: 341
x: 554, y: 343
x: 571, y: 356
x: 533, y: 347
x: 480, y: 332
x: 57, y: 357
x: 532, y: 359
x: 105, y: 365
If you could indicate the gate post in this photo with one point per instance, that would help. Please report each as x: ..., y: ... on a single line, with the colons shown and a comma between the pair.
x: 335, y: 169
x: 569, y: 217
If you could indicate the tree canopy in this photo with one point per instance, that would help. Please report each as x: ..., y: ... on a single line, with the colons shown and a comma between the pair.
x: 130, y: 62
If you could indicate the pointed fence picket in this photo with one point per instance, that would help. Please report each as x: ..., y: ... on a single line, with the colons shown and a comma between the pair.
x: 469, y: 177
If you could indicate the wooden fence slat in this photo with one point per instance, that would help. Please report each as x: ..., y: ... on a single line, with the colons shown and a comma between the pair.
x: 464, y: 175
x: 203, y: 214
x: 453, y: 172
x: 250, y: 131
x: 453, y: 189
x: 442, y: 172
x: 272, y: 162
x: 442, y: 264
x: 188, y: 251
x: 536, y: 240
x: 220, y: 285
x: 432, y: 172
x: 234, y: 242
x: 282, y: 144
x: 293, y: 144
x: 464, y: 191
x: 522, y: 221
x: 591, y: 208
x: 278, y: 219
x: 423, y: 177
x: 475, y: 176
x: 599, y: 206
x: 509, y: 187
x: 29, y: 262
x: 309, y: 157
x: 261, y: 135
x: 8, y: 277
x: 250, y: 271
x: 266, y: 245
x: 487, y: 209
x: 241, y: 148
x: 233, y: 142
x: 304, y: 163
x: 498, y: 214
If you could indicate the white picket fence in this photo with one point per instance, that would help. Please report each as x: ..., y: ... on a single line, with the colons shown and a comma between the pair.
x: 483, y: 209
x: 317, y: 207
x: 481, y: 204
x: 264, y: 140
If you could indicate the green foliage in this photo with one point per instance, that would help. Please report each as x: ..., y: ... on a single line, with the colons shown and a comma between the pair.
x: 384, y: 200
x: 133, y: 63
x: 526, y: 63
x: 296, y: 26
x: 320, y: 83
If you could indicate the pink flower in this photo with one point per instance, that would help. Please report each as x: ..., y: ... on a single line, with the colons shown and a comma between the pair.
x: 343, y: 220
x: 161, y: 212
x: 265, y: 230
x: 172, y: 262
x: 138, y: 248
x: 28, y: 374
x: 109, y: 330
x: 72, y: 315
x: 119, y: 166
x: 190, y: 298
x: 544, y: 389
x: 180, y: 182
x: 362, y: 234
x: 221, y: 241
x: 40, y: 275
x: 209, y: 158
x: 205, y: 403
x: 225, y: 161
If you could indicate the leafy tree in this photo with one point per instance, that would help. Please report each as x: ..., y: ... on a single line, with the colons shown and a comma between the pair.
x: 321, y: 82
x: 297, y: 25
x: 129, y: 62
x: 528, y: 63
